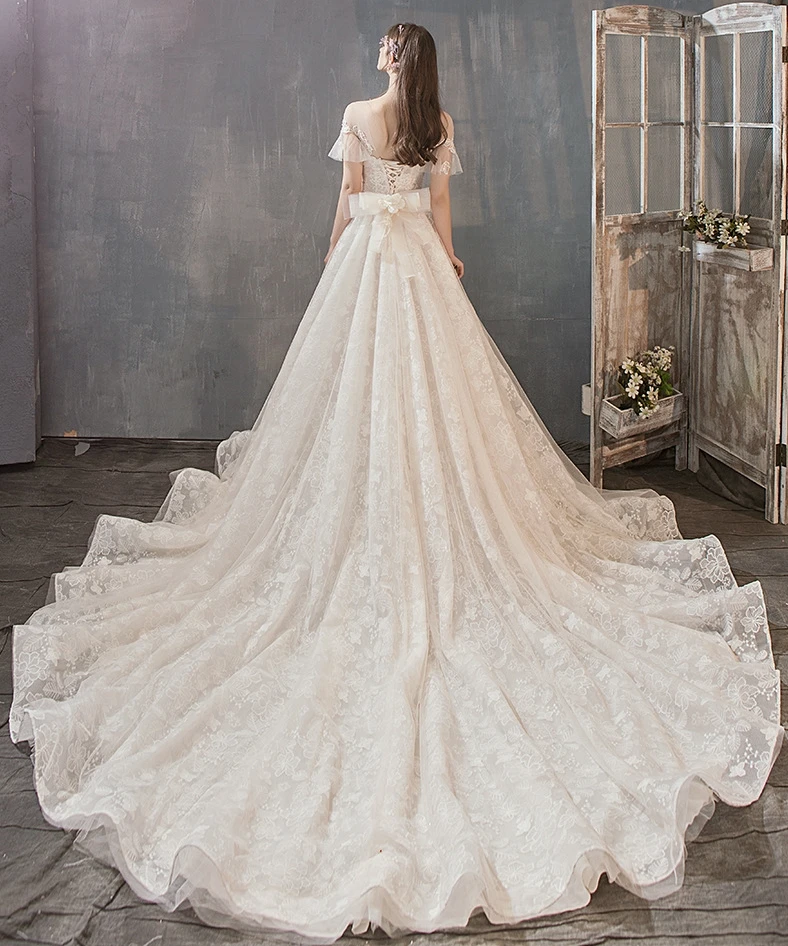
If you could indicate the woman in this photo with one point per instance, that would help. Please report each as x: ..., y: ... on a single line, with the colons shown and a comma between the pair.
x: 397, y: 662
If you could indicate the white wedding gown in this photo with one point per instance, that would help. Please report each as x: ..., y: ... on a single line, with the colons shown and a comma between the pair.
x: 396, y: 661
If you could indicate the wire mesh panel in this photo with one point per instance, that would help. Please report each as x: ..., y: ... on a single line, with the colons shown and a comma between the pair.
x: 623, y: 78
x: 755, y: 107
x: 718, y: 78
x: 623, y: 109
x: 665, y: 78
x: 737, y: 121
x: 665, y: 180
x: 755, y: 164
x: 755, y: 97
x: 644, y: 120
x: 622, y: 174
x: 718, y: 171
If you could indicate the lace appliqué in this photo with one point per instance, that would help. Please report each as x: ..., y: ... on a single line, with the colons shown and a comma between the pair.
x: 349, y: 127
x: 445, y: 166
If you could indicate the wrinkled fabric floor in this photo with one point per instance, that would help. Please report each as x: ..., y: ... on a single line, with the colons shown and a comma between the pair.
x: 736, y: 883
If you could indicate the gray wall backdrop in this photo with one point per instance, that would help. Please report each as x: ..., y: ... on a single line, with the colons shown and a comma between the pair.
x: 19, y: 401
x: 184, y: 196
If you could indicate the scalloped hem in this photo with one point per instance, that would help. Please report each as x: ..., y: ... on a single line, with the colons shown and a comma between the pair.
x: 196, y: 881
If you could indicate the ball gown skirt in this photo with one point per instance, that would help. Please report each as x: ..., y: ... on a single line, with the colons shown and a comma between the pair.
x: 395, y: 661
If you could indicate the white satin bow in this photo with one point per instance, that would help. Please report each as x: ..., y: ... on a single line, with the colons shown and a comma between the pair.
x: 392, y: 202
x: 394, y: 223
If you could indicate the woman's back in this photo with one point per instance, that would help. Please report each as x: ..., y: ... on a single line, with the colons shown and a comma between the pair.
x: 378, y: 118
x: 367, y: 134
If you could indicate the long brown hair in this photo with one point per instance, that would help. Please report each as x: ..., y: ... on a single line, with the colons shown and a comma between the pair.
x: 419, y: 126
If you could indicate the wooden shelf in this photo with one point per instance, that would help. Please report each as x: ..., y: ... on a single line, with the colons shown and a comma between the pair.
x: 751, y: 258
x: 626, y: 423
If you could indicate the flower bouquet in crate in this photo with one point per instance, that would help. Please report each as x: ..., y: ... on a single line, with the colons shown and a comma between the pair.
x: 647, y: 400
x: 721, y: 240
x: 712, y: 227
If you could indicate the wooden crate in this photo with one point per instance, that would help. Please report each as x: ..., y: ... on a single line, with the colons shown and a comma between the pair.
x: 624, y: 422
x: 752, y: 258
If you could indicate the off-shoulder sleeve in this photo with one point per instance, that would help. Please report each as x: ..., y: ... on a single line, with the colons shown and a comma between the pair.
x: 348, y: 146
x: 448, y: 161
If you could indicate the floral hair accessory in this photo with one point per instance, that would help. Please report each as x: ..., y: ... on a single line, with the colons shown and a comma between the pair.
x: 392, y: 45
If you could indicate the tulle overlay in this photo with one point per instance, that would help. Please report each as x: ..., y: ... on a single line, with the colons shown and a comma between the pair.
x: 395, y: 660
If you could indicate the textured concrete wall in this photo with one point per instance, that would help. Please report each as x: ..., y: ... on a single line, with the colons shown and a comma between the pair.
x: 19, y: 404
x: 185, y: 196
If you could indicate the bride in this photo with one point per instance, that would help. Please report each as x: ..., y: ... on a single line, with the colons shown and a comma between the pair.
x: 396, y: 661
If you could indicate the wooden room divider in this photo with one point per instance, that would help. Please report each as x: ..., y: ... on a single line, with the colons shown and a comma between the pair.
x: 689, y: 108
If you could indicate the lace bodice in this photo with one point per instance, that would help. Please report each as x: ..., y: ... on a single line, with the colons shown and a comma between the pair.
x: 388, y: 177
x: 383, y: 175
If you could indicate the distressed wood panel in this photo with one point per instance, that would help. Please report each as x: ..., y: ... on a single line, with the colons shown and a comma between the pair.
x: 635, y: 18
x: 737, y: 390
x: 643, y: 304
x: 641, y: 289
x: 734, y: 17
x: 733, y: 362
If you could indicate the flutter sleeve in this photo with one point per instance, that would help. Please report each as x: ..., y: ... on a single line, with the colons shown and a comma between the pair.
x: 448, y: 161
x: 348, y: 146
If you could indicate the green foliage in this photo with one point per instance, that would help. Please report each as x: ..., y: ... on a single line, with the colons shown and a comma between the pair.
x: 645, y: 378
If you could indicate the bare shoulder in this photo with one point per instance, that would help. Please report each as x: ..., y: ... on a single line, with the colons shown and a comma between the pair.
x: 448, y: 124
x: 356, y: 110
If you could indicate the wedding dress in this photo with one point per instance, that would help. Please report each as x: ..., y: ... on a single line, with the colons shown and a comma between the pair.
x: 396, y: 660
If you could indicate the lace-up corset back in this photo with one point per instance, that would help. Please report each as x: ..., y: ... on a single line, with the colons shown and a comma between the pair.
x: 383, y: 175
x: 388, y: 177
